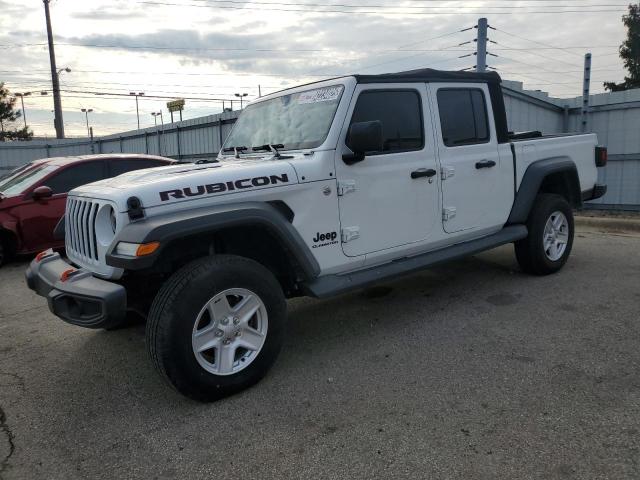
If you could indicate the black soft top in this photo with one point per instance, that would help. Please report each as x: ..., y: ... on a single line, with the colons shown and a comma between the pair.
x: 425, y: 75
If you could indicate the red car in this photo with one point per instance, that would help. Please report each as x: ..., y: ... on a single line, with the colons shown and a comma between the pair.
x: 33, y: 197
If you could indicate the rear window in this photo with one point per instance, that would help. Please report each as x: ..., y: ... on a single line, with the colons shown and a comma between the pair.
x: 463, y: 116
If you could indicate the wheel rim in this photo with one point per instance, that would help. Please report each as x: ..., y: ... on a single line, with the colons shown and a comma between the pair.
x: 230, y: 331
x: 556, y: 236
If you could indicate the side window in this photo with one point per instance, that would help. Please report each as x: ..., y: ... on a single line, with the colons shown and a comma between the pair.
x: 75, y: 175
x: 463, y: 116
x: 118, y: 167
x: 400, y: 112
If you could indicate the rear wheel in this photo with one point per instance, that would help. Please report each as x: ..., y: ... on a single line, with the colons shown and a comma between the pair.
x: 550, y: 239
x: 216, y: 326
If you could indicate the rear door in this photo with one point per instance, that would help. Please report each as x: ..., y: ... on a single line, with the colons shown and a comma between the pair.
x: 381, y: 205
x: 472, y: 196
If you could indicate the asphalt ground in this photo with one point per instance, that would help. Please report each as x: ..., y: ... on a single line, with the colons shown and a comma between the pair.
x: 471, y: 370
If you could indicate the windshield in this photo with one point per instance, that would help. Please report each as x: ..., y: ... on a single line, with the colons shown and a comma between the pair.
x: 19, y: 183
x: 295, y: 121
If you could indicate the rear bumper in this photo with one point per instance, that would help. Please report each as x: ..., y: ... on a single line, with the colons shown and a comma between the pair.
x: 598, y: 191
x: 81, y: 299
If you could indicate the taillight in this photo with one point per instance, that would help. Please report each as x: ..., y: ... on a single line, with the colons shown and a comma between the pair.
x: 601, y: 156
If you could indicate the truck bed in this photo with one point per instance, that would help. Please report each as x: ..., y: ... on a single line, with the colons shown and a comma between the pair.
x: 578, y: 148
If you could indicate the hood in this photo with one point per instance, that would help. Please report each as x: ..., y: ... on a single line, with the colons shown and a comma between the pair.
x: 183, y: 182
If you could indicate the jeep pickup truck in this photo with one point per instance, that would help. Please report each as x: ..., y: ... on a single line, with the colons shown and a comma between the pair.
x: 318, y: 190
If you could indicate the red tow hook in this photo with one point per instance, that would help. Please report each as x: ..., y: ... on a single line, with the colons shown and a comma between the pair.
x: 42, y: 255
x: 67, y: 274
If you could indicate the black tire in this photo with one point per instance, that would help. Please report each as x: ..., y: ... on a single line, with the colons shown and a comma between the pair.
x: 7, y: 248
x: 530, y: 252
x: 175, y: 310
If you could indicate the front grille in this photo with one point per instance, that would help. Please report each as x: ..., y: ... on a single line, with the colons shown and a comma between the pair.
x: 80, y: 231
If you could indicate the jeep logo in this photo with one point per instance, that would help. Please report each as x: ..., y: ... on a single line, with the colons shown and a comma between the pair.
x: 213, y: 188
x: 325, y: 237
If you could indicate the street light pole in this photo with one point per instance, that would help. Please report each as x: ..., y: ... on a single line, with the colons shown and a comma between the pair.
x: 86, y: 112
x: 139, y: 94
x: 241, y: 96
x: 24, y: 113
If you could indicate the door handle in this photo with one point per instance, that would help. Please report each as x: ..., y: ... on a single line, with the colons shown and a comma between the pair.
x: 485, y: 164
x: 423, y: 172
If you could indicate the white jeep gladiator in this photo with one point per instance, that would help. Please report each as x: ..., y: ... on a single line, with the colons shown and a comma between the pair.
x: 318, y: 190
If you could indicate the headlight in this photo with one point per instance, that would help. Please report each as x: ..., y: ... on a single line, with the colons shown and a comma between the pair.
x: 106, y: 225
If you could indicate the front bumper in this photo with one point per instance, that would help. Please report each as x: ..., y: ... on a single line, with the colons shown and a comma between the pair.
x: 81, y: 299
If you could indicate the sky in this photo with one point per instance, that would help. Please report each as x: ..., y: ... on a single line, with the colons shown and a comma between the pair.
x: 208, y: 50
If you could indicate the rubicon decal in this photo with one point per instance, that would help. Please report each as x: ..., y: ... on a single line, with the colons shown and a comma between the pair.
x: 325, y: 239
x: 213, y: 188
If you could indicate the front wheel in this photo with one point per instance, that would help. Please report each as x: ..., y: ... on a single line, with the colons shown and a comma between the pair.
x: 216, y: 326
x: 550, y: 239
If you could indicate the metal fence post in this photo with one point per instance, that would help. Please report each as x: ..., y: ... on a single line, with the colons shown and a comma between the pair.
x: 178, y: 141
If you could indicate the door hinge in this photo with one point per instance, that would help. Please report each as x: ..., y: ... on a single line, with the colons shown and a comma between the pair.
x: 348, y: 186
x: 447, y: 172
x: 350, y: 233
x: 448, y: 213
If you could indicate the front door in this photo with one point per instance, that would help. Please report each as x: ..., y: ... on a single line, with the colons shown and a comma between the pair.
x: 387, y: 200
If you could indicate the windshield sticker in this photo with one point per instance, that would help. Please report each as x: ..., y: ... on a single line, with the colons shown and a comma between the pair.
x: 321, y: 95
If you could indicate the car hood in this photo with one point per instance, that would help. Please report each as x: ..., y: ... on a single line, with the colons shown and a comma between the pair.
x: 184, y: 182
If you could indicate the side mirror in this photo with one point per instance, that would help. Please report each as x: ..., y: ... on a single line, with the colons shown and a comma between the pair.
x: 42, y: 192
x: 363, y: 137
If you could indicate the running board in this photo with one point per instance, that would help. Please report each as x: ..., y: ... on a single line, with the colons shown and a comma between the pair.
x: 330, y: 285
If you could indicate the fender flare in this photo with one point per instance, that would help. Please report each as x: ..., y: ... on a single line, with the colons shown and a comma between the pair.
x: 532, y: 181
x: 174, y: 226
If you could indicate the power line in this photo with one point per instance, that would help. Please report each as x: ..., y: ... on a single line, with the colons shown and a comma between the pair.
x: 342, y: 5
x: 369, y: 12
x: 537, y: 42
x: 208, y: 49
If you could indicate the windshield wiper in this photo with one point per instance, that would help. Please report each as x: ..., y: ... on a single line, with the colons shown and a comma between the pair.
x: 270, y: 147
x: 236, y: 150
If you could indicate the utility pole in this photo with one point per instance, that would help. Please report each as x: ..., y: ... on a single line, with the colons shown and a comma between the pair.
x: 57, y: 103
x: 585, y: 93
x: 481, y: 52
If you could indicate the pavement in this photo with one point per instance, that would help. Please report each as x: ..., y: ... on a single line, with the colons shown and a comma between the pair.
x: 471, y: 370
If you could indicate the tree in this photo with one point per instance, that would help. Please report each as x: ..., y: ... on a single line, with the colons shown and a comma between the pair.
x: 9, y: 115
x: 629, y: 52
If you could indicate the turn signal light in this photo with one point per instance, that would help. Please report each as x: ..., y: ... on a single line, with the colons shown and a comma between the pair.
x: 147, y: 249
